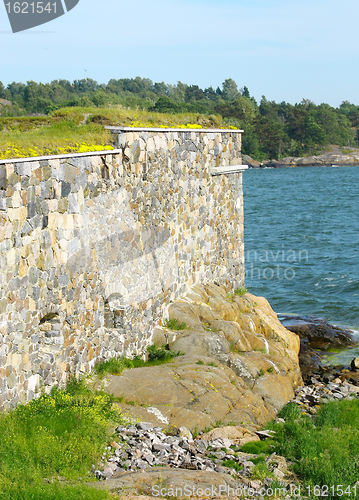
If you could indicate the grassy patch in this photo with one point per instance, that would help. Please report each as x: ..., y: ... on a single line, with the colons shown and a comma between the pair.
x: 174, y: 324
x: 240, y: 291
x: 49, y: 445
x: 75, y: 129
x: 51, y: 136
x: 261, y: 471
x: 157, y: 355
x: 324, y: 449
x: 232, y: 465
x: 258, y: 447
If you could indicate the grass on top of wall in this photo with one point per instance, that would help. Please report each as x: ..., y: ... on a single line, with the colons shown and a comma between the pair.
x: 48, y: 446
x: 73, y: 129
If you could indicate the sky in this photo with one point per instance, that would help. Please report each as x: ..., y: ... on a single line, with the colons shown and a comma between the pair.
x: 286, y: 50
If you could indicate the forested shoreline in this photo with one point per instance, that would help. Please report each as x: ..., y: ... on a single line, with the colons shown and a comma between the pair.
x: 272, y: 130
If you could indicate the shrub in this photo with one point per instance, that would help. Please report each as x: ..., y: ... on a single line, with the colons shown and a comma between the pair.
x: 57, y: 435
x: 323, y: 448
x: 241, y: 291
x: 258, y: 447
x: 174, y: 324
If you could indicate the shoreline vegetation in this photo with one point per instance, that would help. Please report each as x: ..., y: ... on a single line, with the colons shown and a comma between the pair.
x: 56, y: 447
x: 272, y: 130
x: 87, y: 441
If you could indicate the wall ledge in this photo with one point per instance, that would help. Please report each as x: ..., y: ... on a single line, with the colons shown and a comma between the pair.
x: 55, y: 157
x: 117, y: 130
x: 228, y: 169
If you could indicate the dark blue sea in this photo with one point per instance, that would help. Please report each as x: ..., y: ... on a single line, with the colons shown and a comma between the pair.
x: 302, y: 240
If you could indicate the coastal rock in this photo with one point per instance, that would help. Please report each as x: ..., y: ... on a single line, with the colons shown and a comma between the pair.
x: 355, y: 364
x: 237, y: 434
x: 334, y: 156
x: 247, y: 160
x: 240, y: 365
x: 158, y: 464
x: 319, y: 333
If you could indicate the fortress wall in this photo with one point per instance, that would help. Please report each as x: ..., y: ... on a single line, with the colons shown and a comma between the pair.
x: 94, y: 246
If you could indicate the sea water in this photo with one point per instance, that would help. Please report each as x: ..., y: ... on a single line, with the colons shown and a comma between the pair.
x: 301, y: 236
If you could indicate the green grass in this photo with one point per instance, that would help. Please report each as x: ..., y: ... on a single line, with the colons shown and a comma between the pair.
x: 258, y: 447
x: 174, y: 324
x: 261, y: 471
x: 157, y: 355
x: 51, y: 136
x: 232, y: 464
x: 241, y: 291
x: 324, y: 449
x: 76, y: 129
x: 47, y: 447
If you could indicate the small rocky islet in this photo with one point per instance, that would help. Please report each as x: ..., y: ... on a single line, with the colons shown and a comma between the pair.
x: 333, y: 156
x: 240, y: 368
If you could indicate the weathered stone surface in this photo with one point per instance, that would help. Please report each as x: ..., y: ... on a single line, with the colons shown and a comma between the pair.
x: 143, y: 224
x: 154, y: 480
x: 333, y: 156
x: 239, y: 435
x: 215, y: 380
x: 319, y: 333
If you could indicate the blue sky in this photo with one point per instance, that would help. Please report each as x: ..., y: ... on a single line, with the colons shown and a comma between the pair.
x: 283, y: 49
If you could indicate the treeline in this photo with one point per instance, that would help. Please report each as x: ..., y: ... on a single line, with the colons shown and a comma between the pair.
x: 272, y: 130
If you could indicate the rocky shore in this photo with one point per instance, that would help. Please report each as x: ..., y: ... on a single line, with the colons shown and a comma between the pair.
x: 334, y: 156
x: 194, y: 414
x: 148, y: 460
x: 239, y: 364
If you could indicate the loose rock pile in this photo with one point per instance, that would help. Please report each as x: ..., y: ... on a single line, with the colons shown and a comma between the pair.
x: 311, y: 396
x: 141, y: 446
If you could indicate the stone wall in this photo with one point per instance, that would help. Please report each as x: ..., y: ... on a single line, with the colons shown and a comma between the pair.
x: 95, y: 246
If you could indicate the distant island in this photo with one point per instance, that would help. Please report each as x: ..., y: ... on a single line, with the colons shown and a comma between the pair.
x: 333, y: 156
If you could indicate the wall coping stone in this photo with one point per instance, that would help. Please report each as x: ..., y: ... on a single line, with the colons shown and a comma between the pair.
x: 227, y: 169
x: 146, y: 129
x: 55, y: 157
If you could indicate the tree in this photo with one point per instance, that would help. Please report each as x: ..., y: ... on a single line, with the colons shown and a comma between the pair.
x: 245, y: 92
x: 194, y: 93
x: 230, y: 90
x: 165, y: 105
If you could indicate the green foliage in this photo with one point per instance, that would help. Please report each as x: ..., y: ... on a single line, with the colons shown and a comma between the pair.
x: 174, y: 324
x: 323, y: 448
x: 161, y: 353
x: 55, y: 436
x: 240, y: 291
x: 272, y: 130
x: 260, y: 471
x: 258, y: 447
x: 157, y: 355
x: 232, y: 465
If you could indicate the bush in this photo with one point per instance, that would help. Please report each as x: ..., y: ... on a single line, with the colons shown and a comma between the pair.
x: 174, y: 324
x: 157, y: 355
x: 324, y: 448
x: 55, y: 436
x: 241, y: 291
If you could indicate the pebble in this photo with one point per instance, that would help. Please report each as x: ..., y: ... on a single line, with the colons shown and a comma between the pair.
x: 139, y: 447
